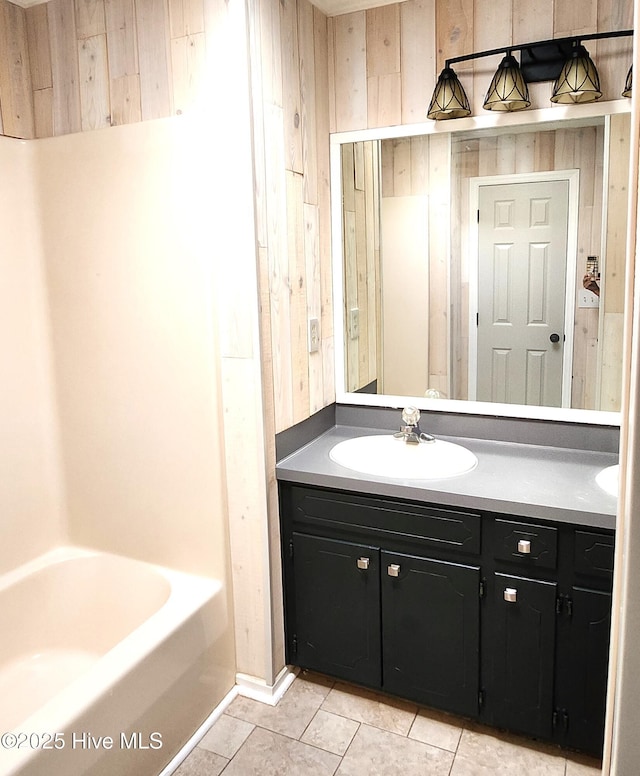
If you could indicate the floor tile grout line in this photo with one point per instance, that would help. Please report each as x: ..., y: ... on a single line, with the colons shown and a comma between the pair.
x: 315, y: 714
x: 255, y: 727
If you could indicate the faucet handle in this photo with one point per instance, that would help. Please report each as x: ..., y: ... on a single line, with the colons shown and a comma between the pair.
x: 410, y: 416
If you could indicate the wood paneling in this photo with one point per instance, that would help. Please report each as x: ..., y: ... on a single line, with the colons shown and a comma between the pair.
x: 16, y: 100
x: 125, y: 100
x: 67, y: 113
x: 291, y: 160
x: 90, y: 18
x: 186, y: 17
x: 94, y: 82
x: 188, y: 55
x: 39, y: 49
x: 291, y: 97
x: 349, y: 89
x: 122, y: 38
x: 43, y: 112
x: 384, y: 102
x: 154, y: 59
x: 417, y: 57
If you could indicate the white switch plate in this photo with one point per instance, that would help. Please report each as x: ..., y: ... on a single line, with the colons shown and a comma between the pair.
x: 588, y: 299
x: 314, y: 335
x: 354, y: 323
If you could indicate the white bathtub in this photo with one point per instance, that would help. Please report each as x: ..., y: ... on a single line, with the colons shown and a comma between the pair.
x: 107, y: 664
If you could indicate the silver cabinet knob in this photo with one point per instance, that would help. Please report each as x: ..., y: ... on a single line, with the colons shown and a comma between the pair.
x: 363, y: 563
x: 393, y: 570
x: 524, y: 546
x: 510, y: 595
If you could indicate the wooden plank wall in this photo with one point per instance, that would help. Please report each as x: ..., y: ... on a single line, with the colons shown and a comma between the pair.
x: 612, y: 285
x: 288, y: 42
x: 16, y: 103
x: 385, y: 60
x: 97, y: 63
x: 289, y: 87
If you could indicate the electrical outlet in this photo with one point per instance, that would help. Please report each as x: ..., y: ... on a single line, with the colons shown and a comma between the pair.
x: 314, y: 335
x: 588, y: 299
x: 354, y: 323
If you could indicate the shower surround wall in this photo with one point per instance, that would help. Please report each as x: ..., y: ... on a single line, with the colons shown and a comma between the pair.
x: 31, y: 497
x: 131, y: 284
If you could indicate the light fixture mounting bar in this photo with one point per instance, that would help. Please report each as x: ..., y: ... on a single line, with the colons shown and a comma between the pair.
x: 571, y: 40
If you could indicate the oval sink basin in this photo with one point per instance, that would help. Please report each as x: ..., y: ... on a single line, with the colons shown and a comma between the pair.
x: 386, y: 456
x: 607, y: 479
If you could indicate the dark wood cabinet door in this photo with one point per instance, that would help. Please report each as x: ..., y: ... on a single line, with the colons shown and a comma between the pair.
x: 336, y: 620
x: 522, y: 647
x: 431, y: 631
x: 583, y: 658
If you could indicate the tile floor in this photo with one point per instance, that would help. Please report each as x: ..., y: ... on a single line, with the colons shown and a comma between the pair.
x: 321, y: 728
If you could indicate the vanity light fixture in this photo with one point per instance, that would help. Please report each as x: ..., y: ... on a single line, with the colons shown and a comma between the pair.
x: 563, y: 60
x: 628, y: 84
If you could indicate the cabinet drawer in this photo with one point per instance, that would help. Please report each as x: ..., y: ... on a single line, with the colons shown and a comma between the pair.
x: 593, y: 554
x: 531, y: 545
x: 431, y: 526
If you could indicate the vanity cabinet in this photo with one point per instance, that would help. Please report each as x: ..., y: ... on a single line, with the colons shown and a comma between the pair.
x: 430, y: 631
x: 498, y: 619
x: 522, y: 654
x: 336, y: 601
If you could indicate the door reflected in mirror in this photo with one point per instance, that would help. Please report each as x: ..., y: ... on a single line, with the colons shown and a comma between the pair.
x: 470, y: 262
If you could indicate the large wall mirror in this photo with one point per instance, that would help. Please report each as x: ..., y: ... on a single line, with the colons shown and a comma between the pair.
x: 482, y: 269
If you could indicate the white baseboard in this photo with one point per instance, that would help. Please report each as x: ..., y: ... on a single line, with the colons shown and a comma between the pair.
x: 259, y: 690
x: 248, y: 686
x: 200, y: 733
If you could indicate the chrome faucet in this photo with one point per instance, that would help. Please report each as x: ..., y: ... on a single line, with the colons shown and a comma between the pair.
x: 410, y: 428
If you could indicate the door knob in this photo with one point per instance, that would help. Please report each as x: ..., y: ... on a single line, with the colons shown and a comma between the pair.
x: 524, y: 546
x: 554, y: 338
x: 393, y: 570
x: 510, y: 595
x: 363, y: 563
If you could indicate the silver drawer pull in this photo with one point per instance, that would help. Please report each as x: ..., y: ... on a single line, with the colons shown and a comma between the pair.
x: 363, y: 563
x: 510, y: 595
x: 393, y: 570
x: 524, y: 546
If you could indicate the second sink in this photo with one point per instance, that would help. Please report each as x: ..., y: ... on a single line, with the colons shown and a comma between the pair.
x: 386, y: 456
x: 607, y: 479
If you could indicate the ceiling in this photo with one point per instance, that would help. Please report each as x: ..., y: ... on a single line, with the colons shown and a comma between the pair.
x: 330, y: 7
x: 337, y: 7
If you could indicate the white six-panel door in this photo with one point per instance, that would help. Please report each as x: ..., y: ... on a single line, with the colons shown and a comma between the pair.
x: 522, y: 237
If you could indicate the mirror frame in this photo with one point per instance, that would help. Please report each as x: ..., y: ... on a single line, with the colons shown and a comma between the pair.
x: 549, y: 117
